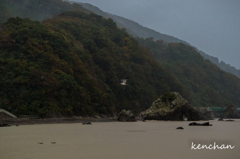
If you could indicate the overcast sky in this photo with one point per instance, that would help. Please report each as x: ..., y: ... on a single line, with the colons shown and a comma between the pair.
x: 212, y: 26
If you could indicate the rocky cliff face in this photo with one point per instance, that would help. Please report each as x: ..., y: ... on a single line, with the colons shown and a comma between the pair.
x: 125, y: 115
x: 231, y: 112
x: 172, y: 106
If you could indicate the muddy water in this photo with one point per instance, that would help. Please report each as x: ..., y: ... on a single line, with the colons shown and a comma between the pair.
x: 119, y: 140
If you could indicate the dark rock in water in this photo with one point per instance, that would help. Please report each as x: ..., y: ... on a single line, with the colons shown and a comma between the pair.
x: 231, y: 112
x: 220, y: 119
x: 171, y: 106
x: 87, y: 123
x: 4, y: 125
x: 229, y: 120
x: 179, y: 128
x: 126, y: 116
x: 200, y: 124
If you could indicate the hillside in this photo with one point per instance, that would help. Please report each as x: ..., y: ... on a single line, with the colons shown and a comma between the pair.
x: 39, y: 10
x: 222, y: 65
x: 138, y: 30
x: 132, y: 27
x: 208, y: 84
x: 35, y: 9
x: 72, y: 65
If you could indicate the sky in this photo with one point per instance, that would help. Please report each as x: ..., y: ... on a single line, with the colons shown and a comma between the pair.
x: 212, y: 26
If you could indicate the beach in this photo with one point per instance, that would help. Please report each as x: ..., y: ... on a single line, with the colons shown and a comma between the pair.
x: 119, y: 140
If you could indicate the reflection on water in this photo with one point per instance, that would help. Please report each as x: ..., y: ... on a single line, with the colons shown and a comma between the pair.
x: 118, y: 140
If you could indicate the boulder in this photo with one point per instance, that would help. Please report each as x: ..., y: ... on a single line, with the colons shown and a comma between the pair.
x: 179, y: 128
x: 229, y: 120
x: 126, y: 116
x: 171, y: 106
x: 4, y: 125
x: 87, y: 123
x: 204, y: 113
x: 200, y: 124
x: 231, y: 112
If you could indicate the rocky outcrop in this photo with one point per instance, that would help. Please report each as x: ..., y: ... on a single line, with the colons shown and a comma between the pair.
x: 171, y: 106
x: 126, y: 116
x: 231, y: 112
x: 205, y: 114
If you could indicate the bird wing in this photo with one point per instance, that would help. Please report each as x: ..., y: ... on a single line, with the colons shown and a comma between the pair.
x: 124, y: 80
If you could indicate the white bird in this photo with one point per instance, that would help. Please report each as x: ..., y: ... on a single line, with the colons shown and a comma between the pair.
x: 123, y: 81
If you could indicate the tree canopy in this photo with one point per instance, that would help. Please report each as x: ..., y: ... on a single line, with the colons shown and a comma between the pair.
x: 73, y: 64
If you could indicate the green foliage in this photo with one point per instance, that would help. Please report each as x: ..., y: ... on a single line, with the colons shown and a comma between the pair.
x: 208, y: 84
x: 73, y: 64
x: 168, y: 97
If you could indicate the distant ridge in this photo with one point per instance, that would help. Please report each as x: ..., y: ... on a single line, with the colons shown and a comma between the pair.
x: 137, y: 30
x: 222, y: 65
x: 133, y: 27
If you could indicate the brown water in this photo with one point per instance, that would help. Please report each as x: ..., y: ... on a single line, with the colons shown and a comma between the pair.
x: 119, y: 140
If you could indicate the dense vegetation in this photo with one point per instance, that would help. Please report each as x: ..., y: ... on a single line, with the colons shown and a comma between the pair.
x: 137, y: 30
x: 73, y: 64
x: 208, y: 84
x: 222, y: 65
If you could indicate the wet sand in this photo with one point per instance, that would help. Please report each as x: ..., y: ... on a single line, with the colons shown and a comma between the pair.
x: 119, y: 140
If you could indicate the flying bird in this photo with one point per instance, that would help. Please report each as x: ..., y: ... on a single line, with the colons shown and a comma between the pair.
x: 123, y: 81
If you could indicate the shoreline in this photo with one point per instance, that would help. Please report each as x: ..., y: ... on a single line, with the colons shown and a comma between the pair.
x: 63, y: 120
x: 26, y: 121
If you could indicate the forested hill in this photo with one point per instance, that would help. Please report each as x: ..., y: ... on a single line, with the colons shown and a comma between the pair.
x: 39, y: 10
x: 208, y: 84
x: 138, y: 30
x: 72, y: 64
x: 132, y: 27
x: 222, y: 65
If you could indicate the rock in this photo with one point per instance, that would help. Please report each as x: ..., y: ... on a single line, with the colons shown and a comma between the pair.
x: 171, y: 106
x: 126, y: 116
x: 204, y: 114
x: 4, y: 125
x: 179, y: 128
x: 220, y: 119
x: 229, y: 120
x: 200, y: 124
x: 231, y: 112
x: 87, y: 123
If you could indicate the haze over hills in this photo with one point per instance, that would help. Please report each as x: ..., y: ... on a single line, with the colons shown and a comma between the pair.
x: 72, y: 64
x: 136, y: 29
x: 132, y: 27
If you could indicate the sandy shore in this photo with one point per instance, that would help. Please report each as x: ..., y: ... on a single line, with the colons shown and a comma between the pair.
x: 118, y: 140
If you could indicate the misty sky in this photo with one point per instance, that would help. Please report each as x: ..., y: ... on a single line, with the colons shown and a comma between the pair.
x: 212, y: 26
